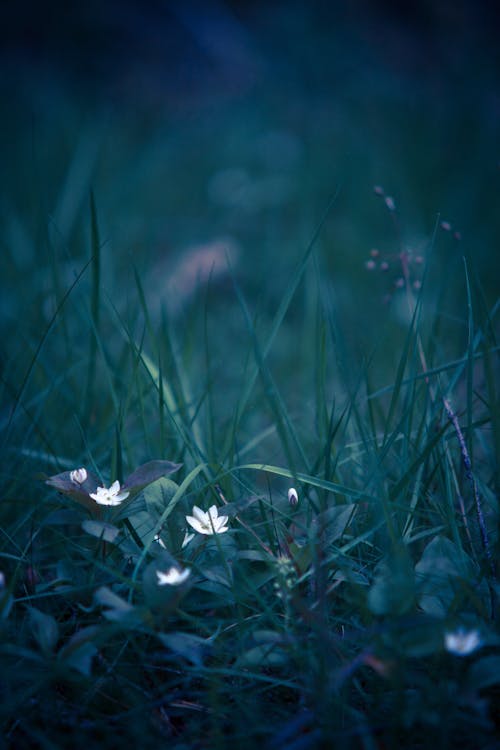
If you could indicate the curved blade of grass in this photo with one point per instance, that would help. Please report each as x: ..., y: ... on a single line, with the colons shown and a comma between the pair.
x: 403, y: 362
x: 95, y: 247
x: 168, y: 510
x: 284, y: 426
x: 470, y: 364
x: 34, y: 359
x: 278, y: 320
x: 337, y: 489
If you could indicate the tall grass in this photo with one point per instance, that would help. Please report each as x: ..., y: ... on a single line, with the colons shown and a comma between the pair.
x: 321, y: 624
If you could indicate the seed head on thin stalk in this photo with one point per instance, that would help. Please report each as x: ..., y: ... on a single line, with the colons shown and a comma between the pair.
x: 406, y: 267
x: 407, y: 262
x: 470, y: 476
x: 447, y: 227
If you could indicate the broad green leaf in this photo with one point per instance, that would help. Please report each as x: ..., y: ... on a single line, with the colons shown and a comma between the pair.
x: 148, y: 473
x: 144, y: 526
x: 267, y: 636
x: 443, y: 574
x: 6, y: 602
x: 117, y: 609
x: 332, y: 523
x: 80, y: 650
x: 484, y: 673
x: 158, y: 495
x: 168, y: 510
x: 78, y: 492
x: 393, y: 590
x: 190, y: 647
x: 45, y: 630
x: 268, y: 653
x: 105, y: 531
x: 108, y: 598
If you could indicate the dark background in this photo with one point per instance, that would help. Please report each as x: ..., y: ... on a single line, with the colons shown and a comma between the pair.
x: 155, y: 105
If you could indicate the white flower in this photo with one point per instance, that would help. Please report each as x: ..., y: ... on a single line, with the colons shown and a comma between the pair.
x: 173, y: 576
x: 109, y: 496
x: 78, y: 476
x: 293, y: 498
x: 462, y: 642
x: 187, y: 538
x: 208, y: 523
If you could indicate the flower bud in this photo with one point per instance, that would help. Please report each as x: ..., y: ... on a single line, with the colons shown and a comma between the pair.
x: 78, y: 476
x: 293, y: 498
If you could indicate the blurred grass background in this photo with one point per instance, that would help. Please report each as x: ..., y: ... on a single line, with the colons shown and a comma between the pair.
x: 164, y: 168
x: 228, y: 128
x: 194, y: 120
x: 231, y: 126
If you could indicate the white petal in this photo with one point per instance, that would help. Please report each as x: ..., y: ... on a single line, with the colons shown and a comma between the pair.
x: 115, y: 488
x: 196, y: 524
x: 160, y: 541
x: 79, y: 476
x: 173, y: 576
x: 105, y: 500
x: 187, y: 538
x: 213, y: 512
x: 200, y: 514
x: 461, y: 642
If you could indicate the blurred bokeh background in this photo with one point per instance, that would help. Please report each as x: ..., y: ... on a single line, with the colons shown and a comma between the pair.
x: 215, y: 132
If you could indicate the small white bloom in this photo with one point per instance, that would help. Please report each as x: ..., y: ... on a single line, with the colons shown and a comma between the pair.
x: 187, y: 538
x: 160, y: 541
x: 173, y: 576
x: 209, y: 522
x: 78, y: 476
x: 293, y: 497
x: 109, y: 496
x: 462, y: 642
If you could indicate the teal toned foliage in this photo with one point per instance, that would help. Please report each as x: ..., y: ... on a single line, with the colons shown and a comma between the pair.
x: 296, y: 434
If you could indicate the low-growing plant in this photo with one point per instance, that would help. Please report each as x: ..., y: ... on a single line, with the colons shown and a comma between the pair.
x: 325, y: 576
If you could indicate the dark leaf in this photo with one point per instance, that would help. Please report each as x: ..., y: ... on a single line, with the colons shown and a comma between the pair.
x: 105, y: 531
x: 393, y: 590
x: 79, y: 492
x: 148, y: 473
x: 484, y: 673
x: 158, y: 495
x: 443, y: 574
x: 79, y: 651
x: 190, y: 647
x: 118, y: 610
x: 45, y: 630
